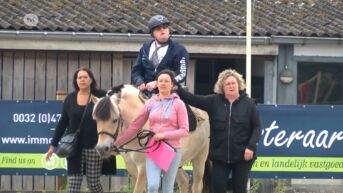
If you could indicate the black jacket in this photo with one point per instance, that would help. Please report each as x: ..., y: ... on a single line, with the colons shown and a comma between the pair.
x: 88, y: 138
x: 234, y: 127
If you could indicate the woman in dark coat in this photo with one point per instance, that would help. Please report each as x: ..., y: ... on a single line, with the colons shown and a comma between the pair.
x: 87, y: 161
x: 235, y: 130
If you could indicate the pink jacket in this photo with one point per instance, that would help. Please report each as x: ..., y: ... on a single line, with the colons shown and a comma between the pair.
x: 168, y: 116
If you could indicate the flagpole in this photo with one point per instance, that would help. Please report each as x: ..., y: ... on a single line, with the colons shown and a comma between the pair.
x: 248, y: 49
x: 248, y: 57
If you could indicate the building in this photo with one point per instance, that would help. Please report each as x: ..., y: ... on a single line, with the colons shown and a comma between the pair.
x: 43, y: 42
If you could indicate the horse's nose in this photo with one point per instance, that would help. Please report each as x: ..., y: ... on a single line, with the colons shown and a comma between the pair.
x: 102, y: 150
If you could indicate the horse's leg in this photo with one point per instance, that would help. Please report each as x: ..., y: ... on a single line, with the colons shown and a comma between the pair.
x: 198, y: 171
x: 182, y: 180
x: 141, y: 180
x: 131, y: 168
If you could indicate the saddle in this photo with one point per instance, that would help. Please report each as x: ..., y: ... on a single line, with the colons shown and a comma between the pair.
x: 192, y: 121
x: 194, y: 117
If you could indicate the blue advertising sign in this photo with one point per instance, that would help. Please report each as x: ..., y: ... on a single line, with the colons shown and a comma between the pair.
x: 296, y: 141
x: 300, y: 142
x: 26, y: 131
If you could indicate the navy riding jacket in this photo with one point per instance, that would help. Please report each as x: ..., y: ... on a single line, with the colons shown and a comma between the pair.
x: 176, y: 59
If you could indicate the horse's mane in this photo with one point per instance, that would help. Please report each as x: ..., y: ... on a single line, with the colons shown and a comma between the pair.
x: 123, y: 90
x: 115, y: 89
x: 103, y: 109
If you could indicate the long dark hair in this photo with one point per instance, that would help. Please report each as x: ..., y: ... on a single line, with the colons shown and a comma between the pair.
x: 90, y: 74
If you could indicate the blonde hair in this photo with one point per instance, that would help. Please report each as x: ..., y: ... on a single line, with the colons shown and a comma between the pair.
x: 218, y: 87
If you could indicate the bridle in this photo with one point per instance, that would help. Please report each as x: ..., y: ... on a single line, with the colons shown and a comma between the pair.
x: 141, y: 135
x: 143, y: 138
x: 114, y: 136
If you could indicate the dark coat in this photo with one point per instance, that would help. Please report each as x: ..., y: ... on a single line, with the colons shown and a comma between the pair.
x: 234, y: 127
x: 88, y: 137
x: 176, y: 59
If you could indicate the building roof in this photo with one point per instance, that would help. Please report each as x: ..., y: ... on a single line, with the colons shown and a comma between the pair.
x: 309, y: 18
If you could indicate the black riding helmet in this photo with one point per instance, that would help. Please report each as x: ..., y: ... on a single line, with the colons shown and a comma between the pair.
x: 156, y: 21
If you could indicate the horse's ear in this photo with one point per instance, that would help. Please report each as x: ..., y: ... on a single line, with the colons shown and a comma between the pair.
x: 95, y: 99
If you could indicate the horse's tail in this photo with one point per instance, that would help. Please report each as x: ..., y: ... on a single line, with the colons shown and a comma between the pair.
x: 207, y: 177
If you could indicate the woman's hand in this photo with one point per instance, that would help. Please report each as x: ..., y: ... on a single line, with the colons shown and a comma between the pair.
x: 248, y: 154
x: 49, y: 153
x: 158, y: 136
x: 116, y: 150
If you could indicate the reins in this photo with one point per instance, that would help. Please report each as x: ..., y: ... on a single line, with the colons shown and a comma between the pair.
x: 143, y: 137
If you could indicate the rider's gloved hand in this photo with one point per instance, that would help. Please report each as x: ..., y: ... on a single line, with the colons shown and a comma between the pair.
x: 150, y: 86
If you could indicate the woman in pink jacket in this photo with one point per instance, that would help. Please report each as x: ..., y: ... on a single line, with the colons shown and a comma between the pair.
x: 168, y: 119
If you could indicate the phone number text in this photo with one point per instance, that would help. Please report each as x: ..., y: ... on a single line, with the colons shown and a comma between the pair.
x: 35, y: 118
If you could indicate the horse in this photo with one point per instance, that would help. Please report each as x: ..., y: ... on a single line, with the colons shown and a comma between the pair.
x: 113, y: 115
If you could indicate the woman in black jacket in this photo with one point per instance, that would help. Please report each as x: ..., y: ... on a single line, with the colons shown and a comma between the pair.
x: 235, y: 130
x: 87, y: 161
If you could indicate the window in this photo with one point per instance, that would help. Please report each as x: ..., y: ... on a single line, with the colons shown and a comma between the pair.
x: 320, y: 83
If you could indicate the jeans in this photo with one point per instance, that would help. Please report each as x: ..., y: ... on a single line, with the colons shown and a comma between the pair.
x: 168, y: 178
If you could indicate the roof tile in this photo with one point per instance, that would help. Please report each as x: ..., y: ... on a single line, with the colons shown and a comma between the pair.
x: 318, y: 18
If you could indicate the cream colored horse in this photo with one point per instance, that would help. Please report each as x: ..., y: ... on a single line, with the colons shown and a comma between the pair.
x: 124, y: 105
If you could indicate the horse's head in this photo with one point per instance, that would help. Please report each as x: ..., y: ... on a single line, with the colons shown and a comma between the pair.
x: 113, y: 114
x: 107, y: 115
